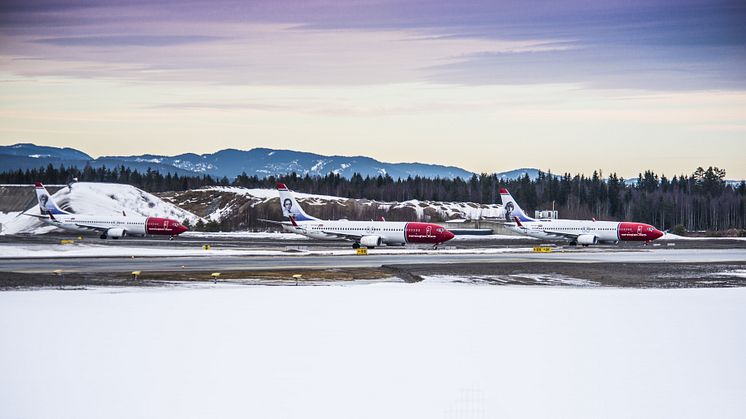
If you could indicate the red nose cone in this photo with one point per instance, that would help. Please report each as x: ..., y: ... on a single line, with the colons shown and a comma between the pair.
x: 657, y: 234
x: 447, y: 235
x: 180, y: 229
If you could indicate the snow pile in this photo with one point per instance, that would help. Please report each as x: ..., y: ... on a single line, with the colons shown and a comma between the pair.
x: 526, y: 279
x: 455, y: 210
x: 423, y: 210
x: 99, y: 199
x: 672, y: 237
x: 373, y: 351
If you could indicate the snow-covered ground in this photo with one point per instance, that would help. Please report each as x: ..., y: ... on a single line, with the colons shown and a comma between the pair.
x: 102, y: 250
x: 245, y: 235
x: 97, y: 198
x: 671, y: 236
x: 427, y: 350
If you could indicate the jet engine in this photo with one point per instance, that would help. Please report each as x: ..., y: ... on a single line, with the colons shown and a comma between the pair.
x: 115, y: 233
x: 370, y: 241
x: 586, y: 239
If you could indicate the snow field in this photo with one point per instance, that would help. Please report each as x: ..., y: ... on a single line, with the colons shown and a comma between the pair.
x: 427, y: 350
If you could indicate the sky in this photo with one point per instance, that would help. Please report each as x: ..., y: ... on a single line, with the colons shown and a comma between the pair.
x: 568, y: 86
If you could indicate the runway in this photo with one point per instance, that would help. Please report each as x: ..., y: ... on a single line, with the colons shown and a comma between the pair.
x: 249, y: 263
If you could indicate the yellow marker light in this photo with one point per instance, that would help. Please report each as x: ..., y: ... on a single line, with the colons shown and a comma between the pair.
x: 542, y: 249
x: 361, y: 251
x: 215, y: 274
x: 57, y: 271
x: 66, y: 241
x: 135, y: 274
x: 297, y: 276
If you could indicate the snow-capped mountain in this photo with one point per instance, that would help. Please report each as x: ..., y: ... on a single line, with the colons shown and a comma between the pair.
x: 264, y: 162
x: 230, y: 163
x: 533, y: 174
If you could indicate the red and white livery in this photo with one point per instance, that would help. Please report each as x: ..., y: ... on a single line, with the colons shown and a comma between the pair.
x: 369, y: 234
x: 106, y: 225
x: 583, y: 232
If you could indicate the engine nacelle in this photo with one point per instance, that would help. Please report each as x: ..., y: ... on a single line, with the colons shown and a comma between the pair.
x: 115, y: 233
x: 370, y: 241
x: 586, y: 239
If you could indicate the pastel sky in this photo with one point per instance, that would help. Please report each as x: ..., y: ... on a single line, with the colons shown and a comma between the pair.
x: 574, y: 86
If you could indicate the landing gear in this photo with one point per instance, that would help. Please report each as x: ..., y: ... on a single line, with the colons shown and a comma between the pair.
x: 102, y: 237
x: 171, y: 237
x: 355, y: 245
x: 573, y: 243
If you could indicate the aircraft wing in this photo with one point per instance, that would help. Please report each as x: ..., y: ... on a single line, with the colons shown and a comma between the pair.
x: 562, y: 234
x: 45, y: 217
x: 559, y: 234
x: 93, y: 227
x: 274, y: 222
x: 347, y: 236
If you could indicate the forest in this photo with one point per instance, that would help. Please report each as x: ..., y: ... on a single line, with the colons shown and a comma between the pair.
x: 700, y: 201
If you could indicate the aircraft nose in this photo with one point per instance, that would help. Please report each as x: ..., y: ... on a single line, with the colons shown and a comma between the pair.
x: 447, y: 235
x: 657, y: 234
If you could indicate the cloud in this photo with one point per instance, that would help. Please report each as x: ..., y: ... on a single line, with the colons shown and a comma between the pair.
x: 656, y: 44
x: 107, y: 41
x: 198, y: 106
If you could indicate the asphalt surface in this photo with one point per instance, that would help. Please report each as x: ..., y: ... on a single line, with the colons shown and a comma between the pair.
x: 248, y: 263
x: 498, y: 261
x: 190, y: 240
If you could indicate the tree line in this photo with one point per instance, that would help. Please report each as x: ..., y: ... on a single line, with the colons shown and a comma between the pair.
x: 699, y: 201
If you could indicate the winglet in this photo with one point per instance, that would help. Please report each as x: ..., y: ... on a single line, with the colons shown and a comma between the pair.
x: 503, y: 191
x: 292, y: 220
x: 38, y: 184
x: 281, y: 187
x: 518, y: 222
x: 383, y: 219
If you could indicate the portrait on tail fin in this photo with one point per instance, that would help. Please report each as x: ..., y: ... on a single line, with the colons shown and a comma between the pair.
x: 508, y: 211
x: 43, y: 199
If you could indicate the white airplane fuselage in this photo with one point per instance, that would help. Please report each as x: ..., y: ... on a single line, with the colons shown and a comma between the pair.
x: 601, y: 231
x: 390, y: 232
x: 117, y: 226
x: 134, y: 226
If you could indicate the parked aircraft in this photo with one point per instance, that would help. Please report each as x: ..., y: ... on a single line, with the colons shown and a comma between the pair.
x: 362, y: 233
x: 583, y: 232
x: 106, y: 225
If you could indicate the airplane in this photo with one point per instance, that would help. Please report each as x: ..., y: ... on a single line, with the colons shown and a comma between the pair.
x: 369, y: 234
x: 116, y: 226
x: 581, y: 232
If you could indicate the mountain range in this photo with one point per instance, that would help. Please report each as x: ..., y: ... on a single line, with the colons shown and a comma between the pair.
x: 230, y: 163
